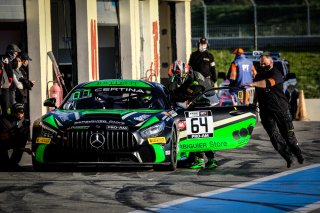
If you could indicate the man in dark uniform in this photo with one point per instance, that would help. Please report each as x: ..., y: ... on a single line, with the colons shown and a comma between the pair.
x: 274, y: 110
x: 22, y: 96
x: 13, y: 135
x: 202, y: 61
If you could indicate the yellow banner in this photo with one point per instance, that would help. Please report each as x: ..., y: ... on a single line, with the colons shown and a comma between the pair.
x: 43, y: 140
x: 157, y: 140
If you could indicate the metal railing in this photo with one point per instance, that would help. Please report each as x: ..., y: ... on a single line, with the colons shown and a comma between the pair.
x: 245, y: 30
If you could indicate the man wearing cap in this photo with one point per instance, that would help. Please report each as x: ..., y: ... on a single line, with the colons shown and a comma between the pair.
x: 22, y: 96
x: 241, y: 70
x: 25, y: 59
x: 202, y: 61
x: 13, y: 135
x: 11, y: 53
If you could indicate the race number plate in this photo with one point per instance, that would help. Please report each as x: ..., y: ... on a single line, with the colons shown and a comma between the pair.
x: 199, y: 124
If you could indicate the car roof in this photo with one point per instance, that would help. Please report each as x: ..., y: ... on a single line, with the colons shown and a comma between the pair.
x: 119, y: 82
x: 122, y: 83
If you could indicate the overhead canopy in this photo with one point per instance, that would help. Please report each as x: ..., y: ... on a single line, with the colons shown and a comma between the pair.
x: 11, y: 11
x: 107, y: 13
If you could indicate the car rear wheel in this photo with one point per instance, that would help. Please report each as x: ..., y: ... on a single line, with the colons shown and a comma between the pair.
x: 173, y: 157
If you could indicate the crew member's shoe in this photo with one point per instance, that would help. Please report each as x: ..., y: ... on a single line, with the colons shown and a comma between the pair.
x: 211, y: 163
x: 300, y: 158
x: 199, y: 163
x: 289, y: 162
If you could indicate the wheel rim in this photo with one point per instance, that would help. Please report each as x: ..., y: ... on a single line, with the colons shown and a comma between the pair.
x: 174, y: 150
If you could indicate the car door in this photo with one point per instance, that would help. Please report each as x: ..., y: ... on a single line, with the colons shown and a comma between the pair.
x: 219, y: 119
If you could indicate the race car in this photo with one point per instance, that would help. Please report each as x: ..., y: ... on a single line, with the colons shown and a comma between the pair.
x: 119, y: 122
x: 133, y: 122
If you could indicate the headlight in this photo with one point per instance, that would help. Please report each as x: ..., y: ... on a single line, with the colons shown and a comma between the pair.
x: 153, y: 131
x: 47, y: 131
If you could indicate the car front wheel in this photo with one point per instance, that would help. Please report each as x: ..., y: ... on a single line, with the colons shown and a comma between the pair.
x: 173, y: 157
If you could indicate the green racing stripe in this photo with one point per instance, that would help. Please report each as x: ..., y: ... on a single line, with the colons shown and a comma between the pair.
x: 50, y: 120
x: 150, y: 122
x: 40, y: 152
x: 159, y: 152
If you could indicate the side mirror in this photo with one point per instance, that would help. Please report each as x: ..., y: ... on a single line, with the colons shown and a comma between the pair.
x: 50, y: 102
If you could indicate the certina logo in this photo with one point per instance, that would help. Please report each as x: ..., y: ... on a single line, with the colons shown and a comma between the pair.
x: 97, y: 140
x: 121, y: 89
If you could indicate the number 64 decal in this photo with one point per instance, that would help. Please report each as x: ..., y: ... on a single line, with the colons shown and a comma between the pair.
x: 199, y: 124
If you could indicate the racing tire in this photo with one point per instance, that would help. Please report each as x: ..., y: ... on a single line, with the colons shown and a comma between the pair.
x: 40, y: 167
x: 173, y: 157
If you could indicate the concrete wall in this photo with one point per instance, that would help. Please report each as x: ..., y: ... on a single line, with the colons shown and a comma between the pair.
x: 313, y: 109
x: 39, y: 43
x: 87, y: 41
x: 183, y: 30
x: 129, y: 38
x: 149, y: 38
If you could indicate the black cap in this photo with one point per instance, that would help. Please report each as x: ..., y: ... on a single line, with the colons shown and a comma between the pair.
x: 25, y: 56
x: 203, y: 41
x: 11, y: 48
x: 17, y: 107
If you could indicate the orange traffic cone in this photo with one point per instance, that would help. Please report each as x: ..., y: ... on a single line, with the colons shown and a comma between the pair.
x: 302, y: 110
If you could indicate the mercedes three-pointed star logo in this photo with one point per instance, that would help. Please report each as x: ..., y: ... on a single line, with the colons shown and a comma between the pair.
x: 97, y: 140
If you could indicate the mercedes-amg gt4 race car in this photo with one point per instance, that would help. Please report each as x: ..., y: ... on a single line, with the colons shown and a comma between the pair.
x: 133, y: 122
x: 127, y: 122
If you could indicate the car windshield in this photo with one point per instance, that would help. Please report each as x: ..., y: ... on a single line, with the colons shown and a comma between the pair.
x: 114, y: 98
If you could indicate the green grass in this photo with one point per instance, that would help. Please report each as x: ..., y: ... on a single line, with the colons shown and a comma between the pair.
x: 304, y: 64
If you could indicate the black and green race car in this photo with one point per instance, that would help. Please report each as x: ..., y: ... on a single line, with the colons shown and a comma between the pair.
x: 133, y: 122
x: 127, y: 122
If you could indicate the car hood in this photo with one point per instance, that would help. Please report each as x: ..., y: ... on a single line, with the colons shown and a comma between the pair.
x: 65, y: 119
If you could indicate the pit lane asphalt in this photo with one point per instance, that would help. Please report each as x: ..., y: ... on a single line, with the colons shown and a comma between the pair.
x: 131, y: 189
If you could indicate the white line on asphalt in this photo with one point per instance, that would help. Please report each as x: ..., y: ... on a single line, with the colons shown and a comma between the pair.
x: 253, y: 182
x: 308, y: 208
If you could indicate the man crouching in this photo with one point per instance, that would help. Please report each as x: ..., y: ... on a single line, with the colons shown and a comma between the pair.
x: 14, y: 134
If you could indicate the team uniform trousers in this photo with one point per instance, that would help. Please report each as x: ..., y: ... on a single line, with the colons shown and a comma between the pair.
x: 279, y: 127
